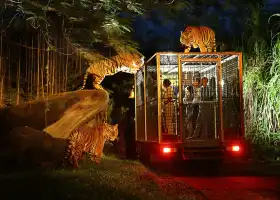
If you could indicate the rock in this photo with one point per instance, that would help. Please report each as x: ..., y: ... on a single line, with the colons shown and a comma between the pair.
x: 28, y: 146
x: 39, y: 113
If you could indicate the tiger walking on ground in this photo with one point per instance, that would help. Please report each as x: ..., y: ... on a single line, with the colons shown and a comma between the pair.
x: 200, y: 36
x: 88, y: 139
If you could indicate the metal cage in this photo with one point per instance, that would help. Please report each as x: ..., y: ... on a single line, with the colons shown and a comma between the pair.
x: 183, y: 97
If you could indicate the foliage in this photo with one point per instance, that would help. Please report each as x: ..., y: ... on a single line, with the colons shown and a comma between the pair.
x: 261, y: 85
x: 85, y: 23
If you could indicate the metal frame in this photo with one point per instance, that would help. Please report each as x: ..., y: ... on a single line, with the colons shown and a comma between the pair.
x: 217, y: 60
x: 159, y: 97
x: 220, y: 99
x: 135, y: 106
x: 219, y: 73
x: 145, y: 103
x: 180, y: 98
x: 240, y: 57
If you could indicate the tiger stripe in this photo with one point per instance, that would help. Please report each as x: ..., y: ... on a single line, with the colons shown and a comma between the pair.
x: 202, y: 37
x: 125, y: 62
x: 90, y: 140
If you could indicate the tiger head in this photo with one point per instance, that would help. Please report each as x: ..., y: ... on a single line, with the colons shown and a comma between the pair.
x: 186, y: 37
x: 111, y: 132
x: 130, y: 63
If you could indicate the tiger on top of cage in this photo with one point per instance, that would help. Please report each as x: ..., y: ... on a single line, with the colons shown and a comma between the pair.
x: 198, y: 36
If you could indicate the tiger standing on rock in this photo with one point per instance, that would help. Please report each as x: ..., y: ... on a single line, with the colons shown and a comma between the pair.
x: 125, y: 62
x: 88, y: 139
x: 200, y: 36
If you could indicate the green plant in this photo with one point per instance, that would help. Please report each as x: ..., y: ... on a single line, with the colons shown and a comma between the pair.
x: 261, y: 86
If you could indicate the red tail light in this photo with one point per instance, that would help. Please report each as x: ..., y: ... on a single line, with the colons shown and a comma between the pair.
x: 235, y: 148
x: 166, y: 150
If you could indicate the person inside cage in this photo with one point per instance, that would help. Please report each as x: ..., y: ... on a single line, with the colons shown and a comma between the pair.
x: 197, y: 90
x: 189, y: 117
x: 205, y: 118
x: 168, y: 105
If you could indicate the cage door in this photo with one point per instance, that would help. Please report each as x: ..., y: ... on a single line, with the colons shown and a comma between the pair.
x: 200, y: 100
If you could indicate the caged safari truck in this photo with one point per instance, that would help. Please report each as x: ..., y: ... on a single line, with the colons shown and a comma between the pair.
x: 189, y: 106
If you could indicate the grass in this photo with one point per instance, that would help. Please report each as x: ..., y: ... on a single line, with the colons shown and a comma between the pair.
x: 262, y: 88
x: 111, y: 179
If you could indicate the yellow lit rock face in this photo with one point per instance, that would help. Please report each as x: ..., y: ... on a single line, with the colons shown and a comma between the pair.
x: 65, y: 113
x: 93, y: 105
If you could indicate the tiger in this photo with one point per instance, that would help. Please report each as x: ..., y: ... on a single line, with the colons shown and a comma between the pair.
x: 202, y: 37
x: 88, y: 139
x: 125, y: 62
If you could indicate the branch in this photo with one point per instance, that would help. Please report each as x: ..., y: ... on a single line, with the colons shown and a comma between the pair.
x: 44, y: 8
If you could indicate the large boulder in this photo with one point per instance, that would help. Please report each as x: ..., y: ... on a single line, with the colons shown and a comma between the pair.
x: 28, y: 146
x: 42, y: 113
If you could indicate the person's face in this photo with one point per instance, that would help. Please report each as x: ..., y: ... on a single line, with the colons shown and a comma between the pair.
x: 204, y: 82
x: 195, y: 83
x: 165, y: 84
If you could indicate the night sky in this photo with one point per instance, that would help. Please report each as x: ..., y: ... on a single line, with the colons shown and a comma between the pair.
x: 156, y: 33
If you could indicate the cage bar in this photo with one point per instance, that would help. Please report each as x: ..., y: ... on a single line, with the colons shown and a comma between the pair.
x: 188, y: 110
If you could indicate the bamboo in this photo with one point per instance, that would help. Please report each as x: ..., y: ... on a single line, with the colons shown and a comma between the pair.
x: 53, y: 72
x: 66, y: 66
x: 63, y: 68
x: 34, y: 75
x: 31, y: 71
x: 3, y: 81
x: 80, y: 63
x: 9, y: 78
x: 38, y: 67
x: 48, y: 71
x: 26, y: 64
x: 76, y: 63
x: 43, y: 70
x: 59, y: 67
x: 28, y: 72
x: 1, y: 75
x: 26, y: 80
x: 18, y: 83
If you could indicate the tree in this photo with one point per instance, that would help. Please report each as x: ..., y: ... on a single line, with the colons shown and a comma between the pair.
x: 85, y: 23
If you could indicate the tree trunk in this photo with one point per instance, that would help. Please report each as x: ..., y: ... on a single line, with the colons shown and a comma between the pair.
x: 48, y: 72
x: 43, y: 70
x: 80, y: 63
x: 31, y: 71
x: 38, y: 67
x: 10, y: 84
x: 63, y: 68
x: 18, y: 83
x: 53, y: 72
x: 1, y: 74
x: 66, y: 66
